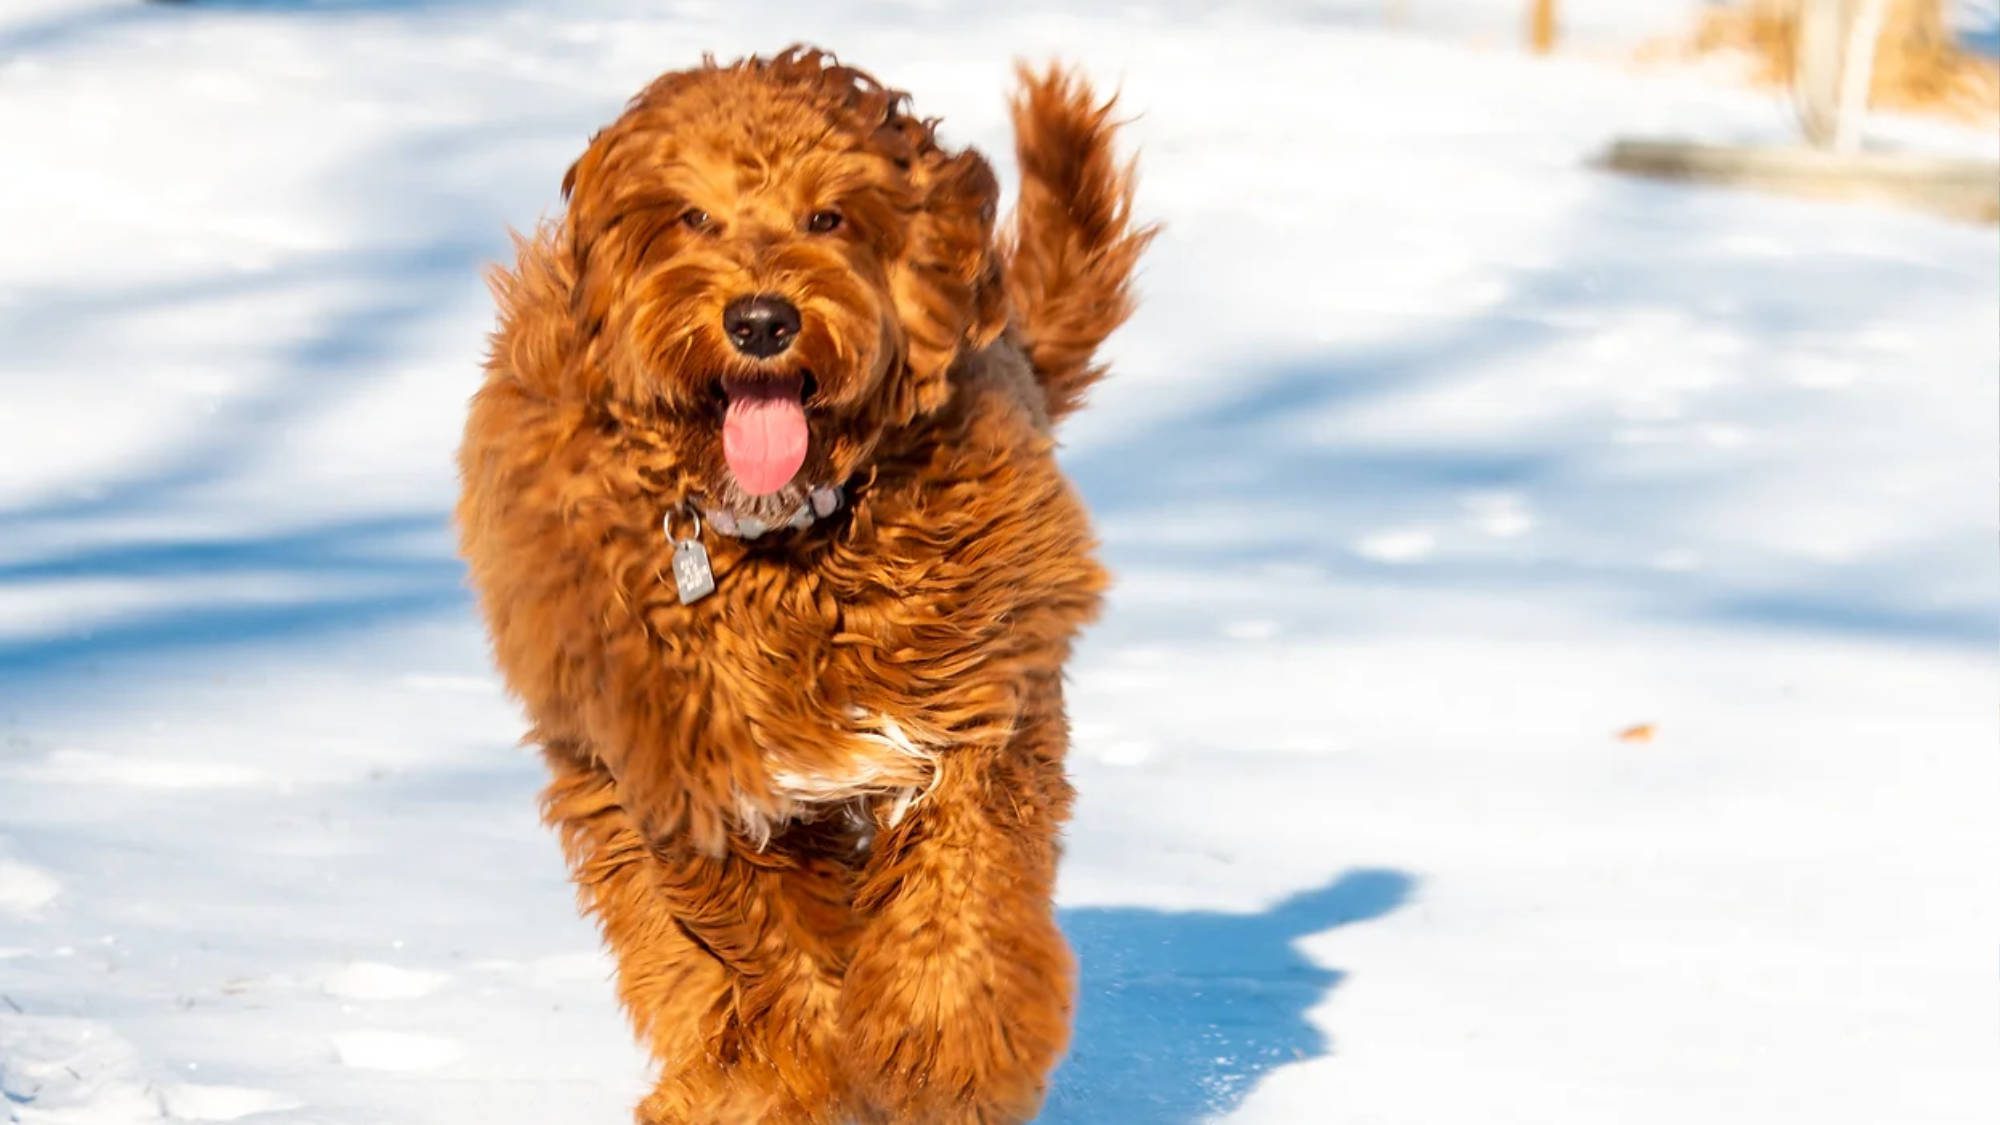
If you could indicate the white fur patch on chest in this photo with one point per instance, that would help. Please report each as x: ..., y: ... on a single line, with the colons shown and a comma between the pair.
x: 882, y: 761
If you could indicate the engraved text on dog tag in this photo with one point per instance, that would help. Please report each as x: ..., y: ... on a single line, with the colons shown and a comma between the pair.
x: 692, y: 576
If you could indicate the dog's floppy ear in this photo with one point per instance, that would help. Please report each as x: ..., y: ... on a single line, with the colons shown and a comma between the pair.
x: 599, y: 231
x: 547, y: 315
x: 590, y: 293
x: 947, y: 288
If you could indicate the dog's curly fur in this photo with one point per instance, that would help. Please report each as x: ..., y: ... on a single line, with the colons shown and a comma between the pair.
x: 815, y: 812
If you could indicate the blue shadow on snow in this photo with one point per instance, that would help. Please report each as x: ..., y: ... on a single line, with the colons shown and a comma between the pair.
x: 1181, y: 1013
x: 342, y: 574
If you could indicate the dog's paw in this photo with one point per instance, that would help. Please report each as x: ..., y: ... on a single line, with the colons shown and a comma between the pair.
x: 928, y: 1040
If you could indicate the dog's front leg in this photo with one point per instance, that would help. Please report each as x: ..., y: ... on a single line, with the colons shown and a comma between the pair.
x: 723, y: 961
x: 774, y: 925
x: 957, y: 1002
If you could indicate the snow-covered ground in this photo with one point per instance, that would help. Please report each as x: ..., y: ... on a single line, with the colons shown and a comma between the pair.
x: 1434, y: 461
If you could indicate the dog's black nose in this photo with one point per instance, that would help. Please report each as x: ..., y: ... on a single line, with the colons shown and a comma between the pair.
x: 761, y: 326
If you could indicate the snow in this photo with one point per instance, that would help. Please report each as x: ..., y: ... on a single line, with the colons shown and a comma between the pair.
x: 1434, y: 460
x: 370, y: 1049
x: 372, y: 980
x: 24, y: 890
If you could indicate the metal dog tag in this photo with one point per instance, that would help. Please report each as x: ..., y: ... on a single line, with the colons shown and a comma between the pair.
x: 694, y: 579
x: 692, y: 576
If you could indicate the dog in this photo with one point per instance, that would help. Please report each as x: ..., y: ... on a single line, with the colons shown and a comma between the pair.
x: 762, y: 510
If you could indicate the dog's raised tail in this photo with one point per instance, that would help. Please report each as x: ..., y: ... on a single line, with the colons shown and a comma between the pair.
x: 1073, y: 247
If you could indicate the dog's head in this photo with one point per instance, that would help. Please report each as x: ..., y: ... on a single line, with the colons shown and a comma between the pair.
x: 776, y: 263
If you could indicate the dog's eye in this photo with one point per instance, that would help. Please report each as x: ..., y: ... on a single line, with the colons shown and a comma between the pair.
x: 694, y: 218
x: 821, y: 222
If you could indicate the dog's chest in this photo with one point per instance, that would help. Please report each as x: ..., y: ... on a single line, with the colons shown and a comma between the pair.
x: 873, y: 772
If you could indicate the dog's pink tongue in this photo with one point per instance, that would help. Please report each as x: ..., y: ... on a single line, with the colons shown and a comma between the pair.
x: 764, y: 437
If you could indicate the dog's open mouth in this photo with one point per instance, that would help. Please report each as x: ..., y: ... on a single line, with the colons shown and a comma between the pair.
x: 764, y: 431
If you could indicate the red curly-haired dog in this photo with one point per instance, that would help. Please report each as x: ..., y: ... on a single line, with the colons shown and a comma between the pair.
x: 763, y: 511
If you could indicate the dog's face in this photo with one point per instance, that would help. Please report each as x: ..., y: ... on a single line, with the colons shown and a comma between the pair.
x: 776, y: 265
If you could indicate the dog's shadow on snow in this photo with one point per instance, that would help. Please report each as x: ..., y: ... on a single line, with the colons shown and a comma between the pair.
x: 1180, y: 1013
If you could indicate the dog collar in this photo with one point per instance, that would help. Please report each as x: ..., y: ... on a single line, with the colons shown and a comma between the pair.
x: 694, y: 578
x: 819, y: 503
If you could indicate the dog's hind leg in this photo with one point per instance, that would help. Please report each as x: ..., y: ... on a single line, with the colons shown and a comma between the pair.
x: 736, y: 1008
x: 957, y: 1001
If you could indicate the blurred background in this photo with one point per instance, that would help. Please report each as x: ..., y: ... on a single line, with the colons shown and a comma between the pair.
x: 1551, y: 677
